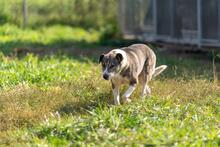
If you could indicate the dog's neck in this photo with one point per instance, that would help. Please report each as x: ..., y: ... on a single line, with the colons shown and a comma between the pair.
x: 124, y: 62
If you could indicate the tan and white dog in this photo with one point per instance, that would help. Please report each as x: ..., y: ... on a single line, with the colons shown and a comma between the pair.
x: 130, y: 65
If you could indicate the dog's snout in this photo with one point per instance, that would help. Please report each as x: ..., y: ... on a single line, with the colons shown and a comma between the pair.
x: 106, y: 76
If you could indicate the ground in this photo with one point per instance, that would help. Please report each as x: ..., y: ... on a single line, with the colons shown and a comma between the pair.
x: 59, y: 98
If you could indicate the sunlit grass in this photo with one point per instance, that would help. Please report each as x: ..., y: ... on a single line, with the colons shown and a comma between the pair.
x: 12, y: 37
x: 44, y: 71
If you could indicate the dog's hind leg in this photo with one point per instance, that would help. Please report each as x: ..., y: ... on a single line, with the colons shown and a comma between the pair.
x: 146, y: 91
x: 145, y: 77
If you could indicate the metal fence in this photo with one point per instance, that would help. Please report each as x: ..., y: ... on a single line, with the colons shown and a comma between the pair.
x: 195, y: 22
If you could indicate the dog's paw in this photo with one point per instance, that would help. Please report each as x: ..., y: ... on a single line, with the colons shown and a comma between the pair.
x: 126, y: 100
x: 117, y: 103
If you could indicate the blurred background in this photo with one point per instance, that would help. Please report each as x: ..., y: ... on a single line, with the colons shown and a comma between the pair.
x: 188, y: 22
x: 193, y: 23
x: 27, y: 24
x: 84, y: 13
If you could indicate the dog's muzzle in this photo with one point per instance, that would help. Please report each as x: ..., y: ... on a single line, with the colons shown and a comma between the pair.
x: 106, y: 76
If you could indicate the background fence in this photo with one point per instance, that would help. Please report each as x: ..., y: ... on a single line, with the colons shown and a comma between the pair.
x: 195, y: 22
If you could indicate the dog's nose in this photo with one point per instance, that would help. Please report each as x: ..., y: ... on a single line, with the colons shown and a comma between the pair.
x: 106, y: 77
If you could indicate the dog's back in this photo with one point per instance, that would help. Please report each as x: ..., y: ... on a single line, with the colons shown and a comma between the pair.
x: 142, y: 59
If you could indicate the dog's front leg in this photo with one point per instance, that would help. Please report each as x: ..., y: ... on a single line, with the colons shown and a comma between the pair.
x: 115, y: 90
x: 130, y: 90
x: 128, y: 93
x: 116, y: 96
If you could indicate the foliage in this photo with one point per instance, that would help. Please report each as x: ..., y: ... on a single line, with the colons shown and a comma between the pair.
x: 84, y: 13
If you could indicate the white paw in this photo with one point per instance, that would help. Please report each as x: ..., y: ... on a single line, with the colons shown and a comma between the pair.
x: 126, y: 100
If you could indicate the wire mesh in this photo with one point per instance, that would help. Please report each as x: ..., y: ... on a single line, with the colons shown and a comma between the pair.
x: 177, y: 21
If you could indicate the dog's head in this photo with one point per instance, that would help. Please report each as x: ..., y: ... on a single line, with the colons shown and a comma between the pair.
x: 112, y: 63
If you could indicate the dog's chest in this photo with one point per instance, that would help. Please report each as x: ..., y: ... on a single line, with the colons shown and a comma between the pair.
x: 118, y: 79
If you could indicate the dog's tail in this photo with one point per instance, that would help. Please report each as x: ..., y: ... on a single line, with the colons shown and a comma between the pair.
x: 159, y: 70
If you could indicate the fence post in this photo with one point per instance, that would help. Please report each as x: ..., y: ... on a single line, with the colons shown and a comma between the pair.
x: 25, y: 11
x: 199, y: 23
x: 218, y: 7
x: 155, y: 18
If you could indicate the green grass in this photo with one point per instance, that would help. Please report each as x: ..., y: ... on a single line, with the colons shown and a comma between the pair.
x: 41, y: 72
x: 151, y: 122
x: 62, y: 100
x: 55, y: 36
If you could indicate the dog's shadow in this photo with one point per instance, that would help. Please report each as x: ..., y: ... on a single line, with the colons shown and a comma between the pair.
x: 85, y: 105
x: 99, y: 99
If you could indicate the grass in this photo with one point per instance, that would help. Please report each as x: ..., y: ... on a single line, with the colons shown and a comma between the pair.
x: 61, y: 100
x: 55, y: 36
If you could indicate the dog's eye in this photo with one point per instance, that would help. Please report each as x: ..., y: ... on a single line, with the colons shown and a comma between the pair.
x: 112, y: 66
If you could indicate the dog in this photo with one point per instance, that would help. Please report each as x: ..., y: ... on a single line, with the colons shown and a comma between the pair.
x: 130, y: 65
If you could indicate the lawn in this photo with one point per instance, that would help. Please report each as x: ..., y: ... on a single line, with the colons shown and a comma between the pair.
x: 60, y: 100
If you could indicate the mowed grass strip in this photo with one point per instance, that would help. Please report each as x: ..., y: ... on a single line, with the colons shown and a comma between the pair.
x: 64, y: 101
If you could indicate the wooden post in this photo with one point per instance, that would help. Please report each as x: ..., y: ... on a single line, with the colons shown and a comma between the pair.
x: 25, y: 15
x: 218, y: 4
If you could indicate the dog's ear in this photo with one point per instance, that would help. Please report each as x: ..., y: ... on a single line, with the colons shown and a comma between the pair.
x: 119, y: 57
x: 101, y: 58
